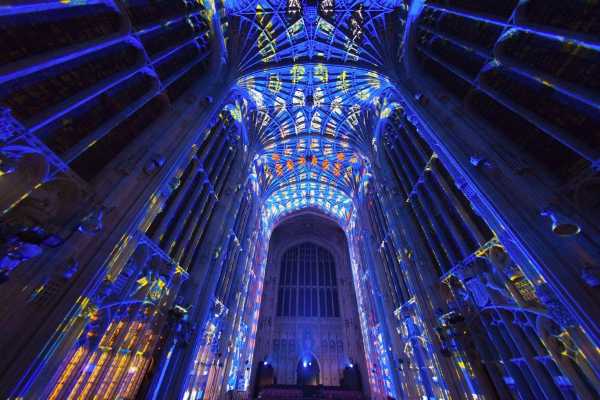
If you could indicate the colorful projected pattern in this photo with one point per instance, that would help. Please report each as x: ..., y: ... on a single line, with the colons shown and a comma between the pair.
x: 288, y: 31
x: 310, y: 124
x: 314, y: 104
x: 308, y: 195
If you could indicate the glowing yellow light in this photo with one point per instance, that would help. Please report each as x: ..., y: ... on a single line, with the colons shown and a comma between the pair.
x: 274, y: 84
x: 321, y: 73
x: 364, y: 94
x: 343, y: 83
x: 295, y: 28
x: 297, y: 72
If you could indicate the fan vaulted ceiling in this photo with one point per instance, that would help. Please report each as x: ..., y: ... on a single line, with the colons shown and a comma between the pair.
x: 313, y: 76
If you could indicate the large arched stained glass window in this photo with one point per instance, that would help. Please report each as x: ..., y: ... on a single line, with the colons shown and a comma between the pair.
x: 307, y: 283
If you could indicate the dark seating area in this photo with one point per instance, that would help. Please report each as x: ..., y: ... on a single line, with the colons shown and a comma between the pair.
x: 294, y: 392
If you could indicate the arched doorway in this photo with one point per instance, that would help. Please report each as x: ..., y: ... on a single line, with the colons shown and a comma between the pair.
x: 308, y: 372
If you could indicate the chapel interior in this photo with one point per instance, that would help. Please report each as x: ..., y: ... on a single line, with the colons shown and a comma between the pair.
x: 300, y: 199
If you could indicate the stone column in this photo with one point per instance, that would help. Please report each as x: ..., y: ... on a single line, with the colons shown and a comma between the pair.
x: 422, y: 278
x: 198, y: 291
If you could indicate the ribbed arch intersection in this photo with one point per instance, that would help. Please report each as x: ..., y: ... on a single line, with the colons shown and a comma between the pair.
x: 310, y: 75
x: 285, y: 31
x: 312, y: 127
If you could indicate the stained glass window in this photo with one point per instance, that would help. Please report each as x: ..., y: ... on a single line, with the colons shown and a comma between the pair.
x: 308, y: 283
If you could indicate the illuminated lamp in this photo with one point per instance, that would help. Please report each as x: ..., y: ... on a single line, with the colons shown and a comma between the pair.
x: 561, y: 225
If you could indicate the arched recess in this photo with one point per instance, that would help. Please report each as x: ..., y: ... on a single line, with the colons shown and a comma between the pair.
x: 287, y: 339
x: 308, y: 372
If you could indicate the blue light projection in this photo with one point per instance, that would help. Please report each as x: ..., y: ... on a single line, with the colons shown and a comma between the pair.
x: 287, y: 32
x: 308, y: 123
x: 308, y: 195
x: 313, y: 103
